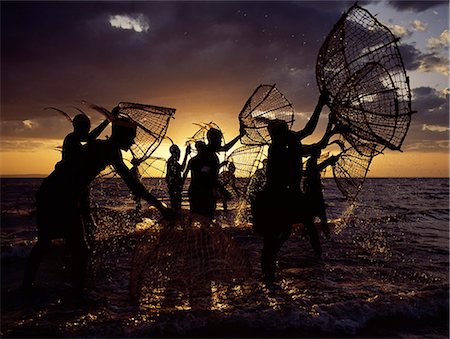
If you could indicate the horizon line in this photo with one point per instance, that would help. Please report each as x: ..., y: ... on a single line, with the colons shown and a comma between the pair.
x: 42, y: 176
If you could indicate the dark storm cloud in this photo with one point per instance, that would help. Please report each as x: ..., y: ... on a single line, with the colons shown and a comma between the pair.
x: 425, y: 62
x: 57, y: 53
x: 432, y: 106
x: 415, y: 6
x: 411, y: 56
x: 429, y: 130
x: 193, y: 54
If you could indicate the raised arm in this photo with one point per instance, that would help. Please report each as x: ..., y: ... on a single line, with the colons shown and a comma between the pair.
x: 312, y: 123
x: 95, y: 133
x: 230, y: 144
x: 322, y: 143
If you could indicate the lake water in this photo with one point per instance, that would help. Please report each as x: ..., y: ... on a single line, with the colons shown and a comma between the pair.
x: 383, y: 274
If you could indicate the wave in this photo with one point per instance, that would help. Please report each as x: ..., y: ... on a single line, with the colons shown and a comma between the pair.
x: 345, y: 318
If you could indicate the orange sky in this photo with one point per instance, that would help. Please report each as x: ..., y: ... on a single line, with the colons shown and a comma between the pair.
x: 41, y: 159
x: 407, y: 164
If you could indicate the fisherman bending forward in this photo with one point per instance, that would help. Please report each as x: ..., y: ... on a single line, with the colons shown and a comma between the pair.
x: 58, y: 199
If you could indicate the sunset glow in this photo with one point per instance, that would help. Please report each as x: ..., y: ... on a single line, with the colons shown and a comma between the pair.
x: 204, y: 59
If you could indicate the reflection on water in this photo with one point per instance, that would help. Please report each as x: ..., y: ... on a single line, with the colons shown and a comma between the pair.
x: 391, y: 260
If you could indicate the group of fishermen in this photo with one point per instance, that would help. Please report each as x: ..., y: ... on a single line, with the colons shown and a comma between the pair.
x: 63, y: 204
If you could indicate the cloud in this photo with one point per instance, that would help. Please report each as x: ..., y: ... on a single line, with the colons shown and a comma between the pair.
x: 430, y: 125
x: 411, y: 56
x: 139, y: 23
x: 415, y: 6
x: 442, y: 42
x: 399, y: 31
x: 428, y: 99
x: 29, y: 124
x: 414, y: 60
x: 419, y: 25
x: 432, y: 107
x: 435, y: 128
x: 28, y: 144
x: 50, y: 127
x: 434, y: 63
x: 427, y: 146
x: 200, y: 57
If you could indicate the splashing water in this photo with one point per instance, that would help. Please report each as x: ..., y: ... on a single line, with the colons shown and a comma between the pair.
x: 390, y: 261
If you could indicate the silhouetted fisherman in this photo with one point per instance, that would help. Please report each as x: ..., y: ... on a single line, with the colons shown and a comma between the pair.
x: 174, y: 177
x: 282, y: 203
x: 312, y: 187
x: 204, y: 169
x: 227, y: 180
x: 72, y: 150
x: 58, y: 199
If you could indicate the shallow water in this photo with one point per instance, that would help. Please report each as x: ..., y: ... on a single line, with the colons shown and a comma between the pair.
x: 384, y: 274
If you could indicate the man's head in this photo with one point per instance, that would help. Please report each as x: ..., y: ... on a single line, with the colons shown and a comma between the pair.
x: 175, y: 151
x: 200, y: 146
x: 123, y: 132
x: 214, y: 137
x: 278, y: 129
x: 81, y: 125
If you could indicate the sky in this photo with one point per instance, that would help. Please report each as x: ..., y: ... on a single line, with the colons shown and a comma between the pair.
x: 204, y: 58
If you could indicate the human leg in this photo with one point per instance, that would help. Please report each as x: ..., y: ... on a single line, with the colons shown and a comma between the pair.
x: 313, y: 236
x: 324, y: 223
x: 34, y: 259
x: 268, y: 258
x: 76, y: 243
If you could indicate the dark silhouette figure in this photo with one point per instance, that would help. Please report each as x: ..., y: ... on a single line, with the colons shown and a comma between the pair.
x: 72, y: 150
x: 312, y: 187
x: 58, y: 199
x: 258, y: 182
x: 204, y: 168
x: 135, y: 172
x: 281, y: 203
x: 174, y: 178
x: 72, y: 146
x: 227, y: 182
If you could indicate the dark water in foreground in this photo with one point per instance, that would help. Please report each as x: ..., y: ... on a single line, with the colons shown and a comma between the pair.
x: 384, y: 274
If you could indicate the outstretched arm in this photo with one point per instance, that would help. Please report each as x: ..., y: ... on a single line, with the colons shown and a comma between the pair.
x: 329, y: 132
x: 136, y: 186
x: 110, y: 116
x: 95, y: 133
x: 312, y: 123
x: 227, y: 147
